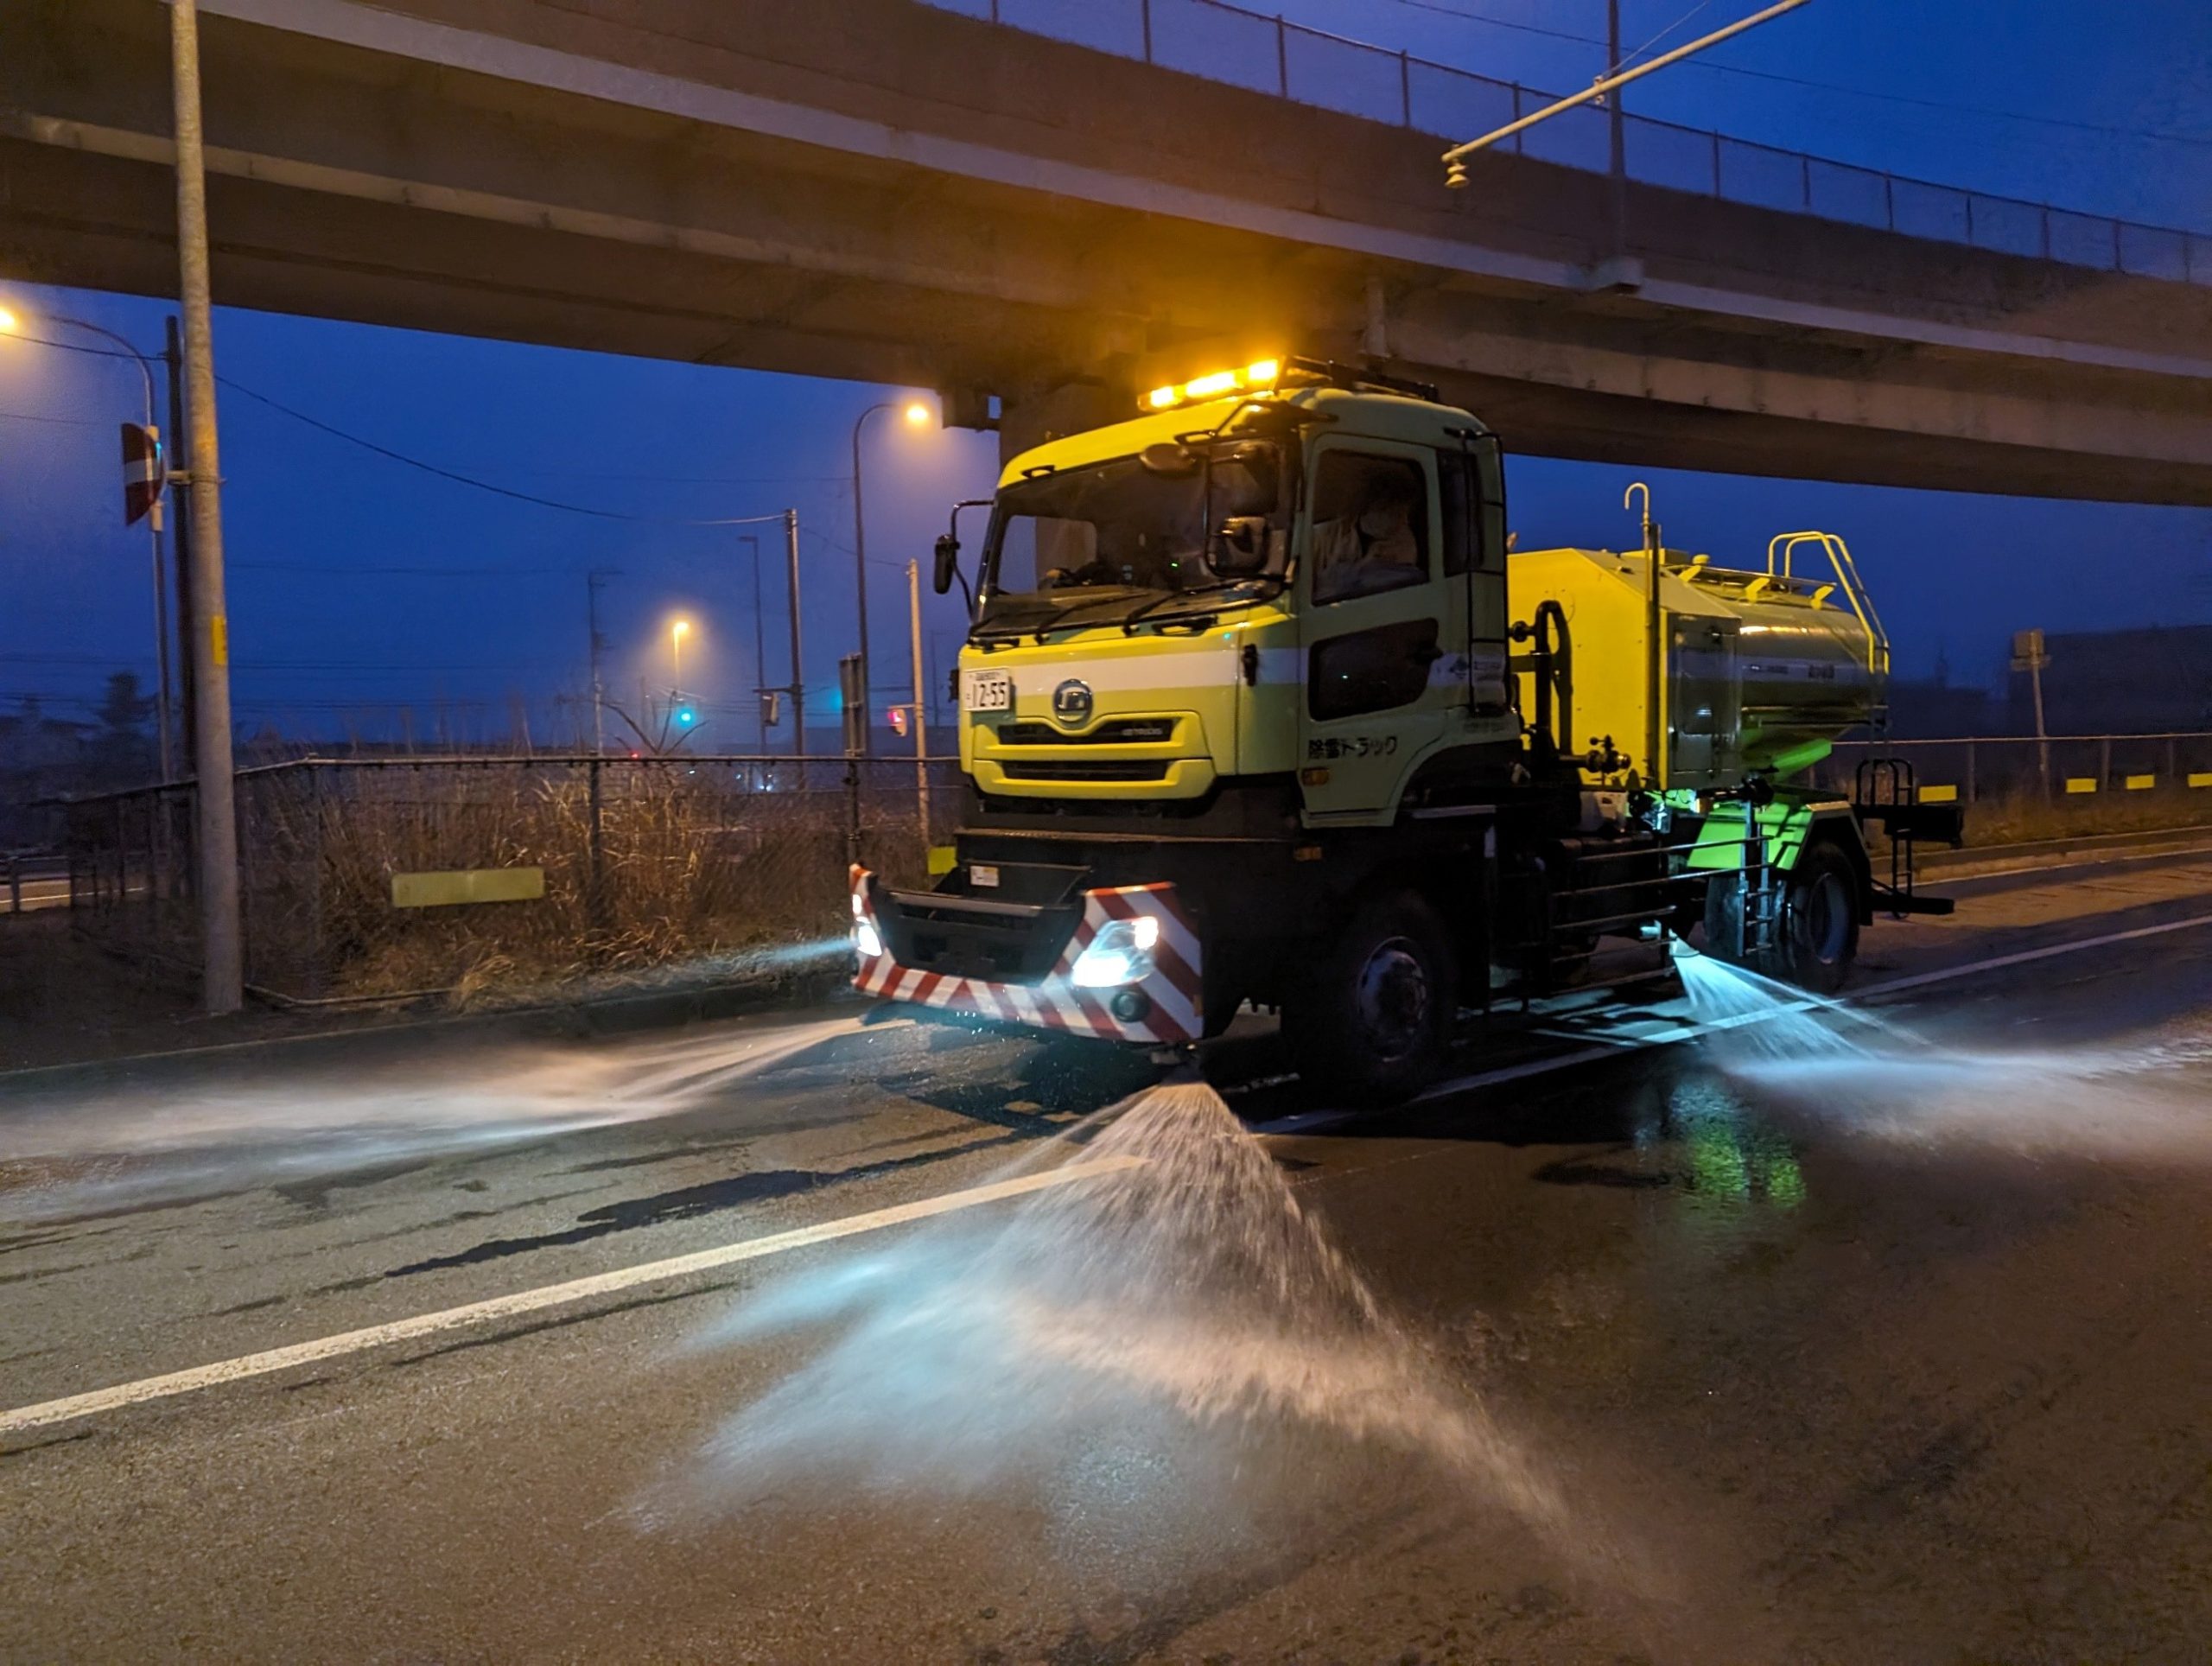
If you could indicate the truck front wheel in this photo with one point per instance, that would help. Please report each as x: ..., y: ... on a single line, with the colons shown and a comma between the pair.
x: 1372, y: 1017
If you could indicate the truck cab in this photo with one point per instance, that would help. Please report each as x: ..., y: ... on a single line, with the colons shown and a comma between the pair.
x: 1303, y: 595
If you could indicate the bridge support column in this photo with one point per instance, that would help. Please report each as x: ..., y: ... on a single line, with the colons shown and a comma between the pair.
x: 1034, y: 415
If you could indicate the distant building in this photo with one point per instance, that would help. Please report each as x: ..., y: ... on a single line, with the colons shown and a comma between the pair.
x: 2139, y: 682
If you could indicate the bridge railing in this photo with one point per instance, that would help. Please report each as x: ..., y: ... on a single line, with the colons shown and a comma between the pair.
x: 1266, y: 54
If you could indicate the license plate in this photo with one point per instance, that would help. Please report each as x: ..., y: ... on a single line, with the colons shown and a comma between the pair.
x: 986, y: 691
x: 984, y: 875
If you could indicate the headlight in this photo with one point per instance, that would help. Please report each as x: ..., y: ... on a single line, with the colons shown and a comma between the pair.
x: 1121, y: 953
x: 867, y: 940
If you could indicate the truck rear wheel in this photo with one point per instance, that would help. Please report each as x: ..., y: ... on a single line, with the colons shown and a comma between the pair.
x: 1816, y: 938
x: 1819, y: 935
x: 1372, y: 1018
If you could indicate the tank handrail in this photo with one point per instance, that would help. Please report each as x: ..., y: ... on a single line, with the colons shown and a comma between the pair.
x: 1781, y: 554
x: 1847, y: 570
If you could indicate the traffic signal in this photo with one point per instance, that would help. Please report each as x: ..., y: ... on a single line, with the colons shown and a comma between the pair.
x: 898, y: 722
x: 685, y: 717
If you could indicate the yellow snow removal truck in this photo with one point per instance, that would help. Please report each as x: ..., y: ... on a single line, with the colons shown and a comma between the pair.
x: 1256, y: 706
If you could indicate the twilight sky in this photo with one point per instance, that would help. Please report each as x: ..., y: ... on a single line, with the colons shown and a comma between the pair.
x: 359, y: 586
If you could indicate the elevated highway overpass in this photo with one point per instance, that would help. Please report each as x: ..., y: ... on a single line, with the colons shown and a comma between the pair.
x: 903, y: 195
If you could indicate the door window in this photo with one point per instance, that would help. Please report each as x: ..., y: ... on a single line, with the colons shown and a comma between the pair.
x: 1370, y: 670
x: 1370, y: 525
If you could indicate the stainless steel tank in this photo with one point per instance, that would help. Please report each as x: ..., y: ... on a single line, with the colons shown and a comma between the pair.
x: 1760, y: 670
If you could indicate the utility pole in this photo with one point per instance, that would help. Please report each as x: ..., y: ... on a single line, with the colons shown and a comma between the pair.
x: 798, y: 675
x: 2030, y: 655
x: 921, y: 707
x: 593, y: 580
x: 759, y: 648
x: 222, y: 945
x: 859, y: 551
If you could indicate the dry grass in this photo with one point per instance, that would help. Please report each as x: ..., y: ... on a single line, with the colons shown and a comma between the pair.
x: 2018, y: 820
x: 696, y: 866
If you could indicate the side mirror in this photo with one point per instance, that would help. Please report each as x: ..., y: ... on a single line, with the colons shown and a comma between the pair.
x: 1169, y: 458
x: 948, y: 562
x: 1240, y: 548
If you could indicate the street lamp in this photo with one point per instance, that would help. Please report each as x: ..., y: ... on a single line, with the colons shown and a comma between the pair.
x: 11, y: 323
x: 917, y: 414
x: 677, y: 633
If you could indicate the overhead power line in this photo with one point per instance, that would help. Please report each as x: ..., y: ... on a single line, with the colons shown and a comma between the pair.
x: 58, y: 422
x: 496, y: 490
x: 1629, y: 58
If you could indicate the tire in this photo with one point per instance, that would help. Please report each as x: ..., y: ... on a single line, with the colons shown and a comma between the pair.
x: 1816, y: 938
x: 1724, y: 921
x: 1373, y: 1019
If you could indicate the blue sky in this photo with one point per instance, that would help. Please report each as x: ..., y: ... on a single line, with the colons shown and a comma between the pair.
x: 359, y: 586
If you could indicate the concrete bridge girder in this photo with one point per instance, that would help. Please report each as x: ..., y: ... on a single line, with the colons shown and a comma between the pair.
x: 642, y: 215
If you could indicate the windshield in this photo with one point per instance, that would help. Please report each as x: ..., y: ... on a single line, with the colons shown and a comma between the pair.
x: 1094, y: 544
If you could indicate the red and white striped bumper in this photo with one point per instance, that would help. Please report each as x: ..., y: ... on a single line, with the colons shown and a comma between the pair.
x: 1171, y: 1007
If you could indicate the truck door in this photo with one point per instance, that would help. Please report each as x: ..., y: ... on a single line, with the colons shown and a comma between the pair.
x: 1386, y: 661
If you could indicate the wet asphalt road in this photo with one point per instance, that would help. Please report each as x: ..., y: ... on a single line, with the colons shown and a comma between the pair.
x: 1900, y: 1353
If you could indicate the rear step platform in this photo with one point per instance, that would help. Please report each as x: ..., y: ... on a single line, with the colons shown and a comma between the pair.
x: 1891, y: 900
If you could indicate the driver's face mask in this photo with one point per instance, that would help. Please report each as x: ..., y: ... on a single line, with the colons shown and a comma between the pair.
x: 1383, y: 519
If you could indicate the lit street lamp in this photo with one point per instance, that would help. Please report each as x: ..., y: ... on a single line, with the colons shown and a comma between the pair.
x: 677, y: 633
x: 917, y: 414
x: 11, y: 324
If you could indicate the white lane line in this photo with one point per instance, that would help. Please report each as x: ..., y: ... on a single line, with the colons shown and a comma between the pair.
x: 530, y: 1301
x: 1307, y: 1122
x: 2024, y: 956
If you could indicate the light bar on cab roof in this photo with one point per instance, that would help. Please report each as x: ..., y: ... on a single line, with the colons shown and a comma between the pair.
x: 1259, y: 373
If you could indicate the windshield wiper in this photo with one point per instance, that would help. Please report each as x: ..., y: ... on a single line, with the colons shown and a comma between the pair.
x: 1039, y: 630
x: 1015, y: 634
x: 1150, y: 608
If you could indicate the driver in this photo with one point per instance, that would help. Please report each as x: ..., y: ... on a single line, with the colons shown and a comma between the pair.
x: 1372, y: 547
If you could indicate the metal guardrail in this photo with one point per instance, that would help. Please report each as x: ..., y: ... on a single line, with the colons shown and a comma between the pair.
x: 1267, y: 53
x: 2083, y: 769
x: 33, y: 882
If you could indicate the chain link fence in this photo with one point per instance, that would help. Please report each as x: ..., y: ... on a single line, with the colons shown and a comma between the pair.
x: 1263, y: 53
x: 649, y: 863
x: 643, y: 862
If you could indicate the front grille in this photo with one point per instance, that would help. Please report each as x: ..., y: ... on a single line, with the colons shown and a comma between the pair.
x: 1116, y: 731
x: 1139, y: 769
